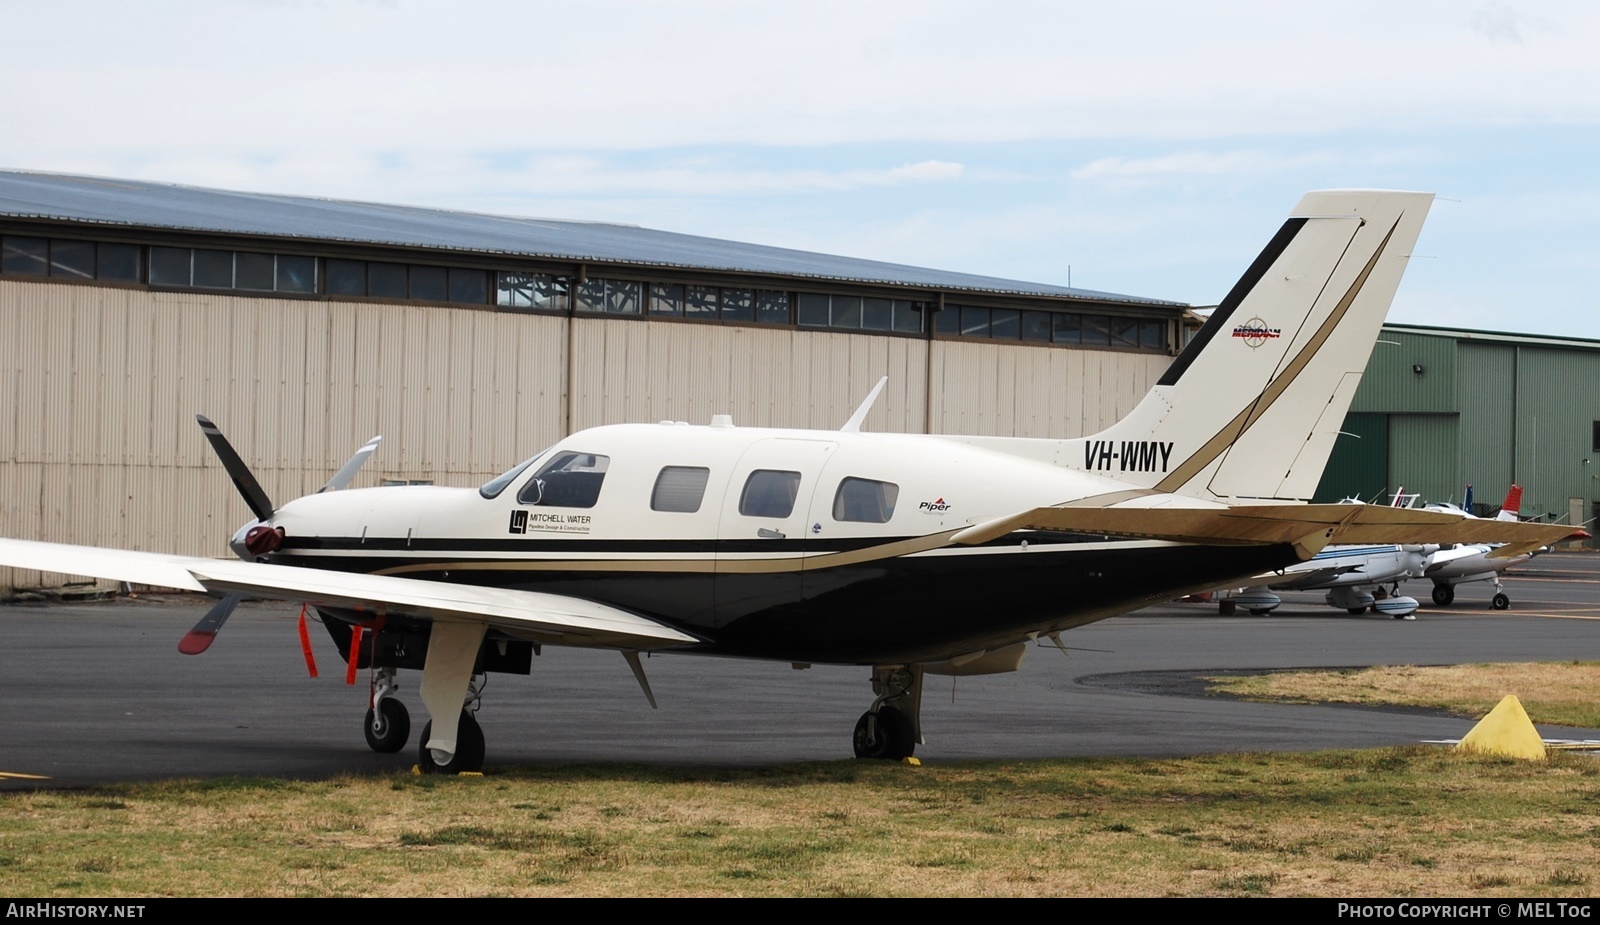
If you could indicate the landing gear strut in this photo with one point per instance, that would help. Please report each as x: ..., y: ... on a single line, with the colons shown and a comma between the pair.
x: 388, y: 723
x: 890, y: 730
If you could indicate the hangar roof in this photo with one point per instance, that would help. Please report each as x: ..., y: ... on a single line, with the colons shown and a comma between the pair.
x: 139, y: 204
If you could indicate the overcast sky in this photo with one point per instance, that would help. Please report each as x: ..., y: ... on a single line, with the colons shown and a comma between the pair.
x: 1148, y: 148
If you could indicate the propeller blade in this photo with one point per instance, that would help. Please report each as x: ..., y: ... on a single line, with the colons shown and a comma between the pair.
x: 237, y: 470
x: 341, y: 479
x: 204, y: 633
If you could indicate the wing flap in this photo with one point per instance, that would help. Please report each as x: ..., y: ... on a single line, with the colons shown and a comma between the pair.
x: 565, y: 620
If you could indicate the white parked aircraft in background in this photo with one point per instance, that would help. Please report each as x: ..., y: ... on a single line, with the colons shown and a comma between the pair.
x: 911, y: 554
x: 1462, y: 563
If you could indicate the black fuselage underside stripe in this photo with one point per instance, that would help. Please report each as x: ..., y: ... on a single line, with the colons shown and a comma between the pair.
x: 908, y: 608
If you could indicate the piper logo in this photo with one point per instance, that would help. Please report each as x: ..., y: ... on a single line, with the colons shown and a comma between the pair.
x: 933, y: 507
x: 1255, y: 332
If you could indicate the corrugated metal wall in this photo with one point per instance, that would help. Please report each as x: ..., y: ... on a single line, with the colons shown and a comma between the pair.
x: 99, y: 446
x: 1486, y: 374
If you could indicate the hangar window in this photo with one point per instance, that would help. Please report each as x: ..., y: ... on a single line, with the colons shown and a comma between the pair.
x: 772, y: 307
x: 769, y: 493
x: 860, y: 313
x: 738, y: 305
x: 72, y: 259
x: 1005, y: 324
x: 347, y: 277
x: 568, y: 480
x: 607, y: 296
x: 865, y: 501
x: 64, y: 259
x: 679, y: 489
x: 666, y: 299
x: 813, y: 310
x: 908, y: 316
x: 429, y: 284
x: 540, y: 292
x: 469, y: 286
x: 171, y: 266
x: 255, y: 271
x: 1069, y: 328
x: 25, y: 256
x: 117, y: 262
x: 1036, y: 327
x: 700, y: 302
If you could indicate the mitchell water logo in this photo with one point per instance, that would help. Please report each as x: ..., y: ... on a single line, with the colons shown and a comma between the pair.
x: 1255, y: 332
x: 933, y: 507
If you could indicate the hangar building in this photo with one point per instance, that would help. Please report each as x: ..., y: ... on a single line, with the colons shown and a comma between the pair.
x: 1439, y: 408
x: 304, y: 326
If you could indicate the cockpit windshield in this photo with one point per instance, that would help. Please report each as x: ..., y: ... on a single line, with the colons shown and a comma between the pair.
x: 493, y: 487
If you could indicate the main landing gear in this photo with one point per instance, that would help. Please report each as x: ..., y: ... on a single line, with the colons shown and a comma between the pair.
x: 452, y: 686
x: 891, y: 728
x: 1445, y: 594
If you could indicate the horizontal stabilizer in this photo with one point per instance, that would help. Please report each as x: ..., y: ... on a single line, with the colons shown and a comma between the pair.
x: 1308, y: 526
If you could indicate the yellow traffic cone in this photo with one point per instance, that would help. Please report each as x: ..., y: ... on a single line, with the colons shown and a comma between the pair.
x: 1505, y: 731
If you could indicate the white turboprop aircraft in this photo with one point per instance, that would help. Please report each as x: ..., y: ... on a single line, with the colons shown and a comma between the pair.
x: 911, y: 554
x: 1469, y: 562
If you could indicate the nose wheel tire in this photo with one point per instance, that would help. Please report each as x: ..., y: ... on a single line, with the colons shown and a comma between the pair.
x: 1501, y: 602
x: 469, y: 749
x: 1444, y: 595
x: 388, y: 727
x: 886, y: 735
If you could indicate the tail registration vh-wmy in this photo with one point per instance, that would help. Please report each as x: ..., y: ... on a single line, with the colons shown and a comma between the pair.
x: 910, y: 554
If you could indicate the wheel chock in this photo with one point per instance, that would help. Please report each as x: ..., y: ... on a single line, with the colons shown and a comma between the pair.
x: 1505, y: 731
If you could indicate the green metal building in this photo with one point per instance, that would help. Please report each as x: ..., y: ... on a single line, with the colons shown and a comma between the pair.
x: 1441, y: 408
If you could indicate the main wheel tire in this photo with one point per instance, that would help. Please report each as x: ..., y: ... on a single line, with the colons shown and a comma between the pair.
x: 1357, y: 610
x: 1260, y: 611
x: 891, y: 740
x: 469, y: 749
x: 389, y: 728
x: 1444, y: 595
x: 1501, y: 602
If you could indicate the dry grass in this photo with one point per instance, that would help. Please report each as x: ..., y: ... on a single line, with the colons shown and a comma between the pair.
x: 1561, y: 693
x: 1398, y: 822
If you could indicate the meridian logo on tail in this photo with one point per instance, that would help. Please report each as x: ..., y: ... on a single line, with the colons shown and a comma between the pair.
x: 1255, y: 332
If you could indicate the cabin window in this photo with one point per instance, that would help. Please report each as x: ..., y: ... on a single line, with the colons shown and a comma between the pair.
x: 679, y: 489
x: 568, y: 480
x: 865, y: 501
x: 769, y: 493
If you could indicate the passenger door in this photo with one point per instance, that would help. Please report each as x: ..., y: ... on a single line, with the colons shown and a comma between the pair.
x: 761, y: 538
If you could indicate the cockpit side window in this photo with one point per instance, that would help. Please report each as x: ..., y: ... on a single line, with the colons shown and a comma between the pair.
x: 769, y: 493
x: 679, y: 489
x: 567, y: 480
x: 865, y: 501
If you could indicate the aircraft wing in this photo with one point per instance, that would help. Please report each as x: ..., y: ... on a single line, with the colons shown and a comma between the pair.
x: 555, y: 618
x: 1308, y: 526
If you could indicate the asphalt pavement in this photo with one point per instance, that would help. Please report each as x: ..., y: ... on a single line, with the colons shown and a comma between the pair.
x: 97, y: 693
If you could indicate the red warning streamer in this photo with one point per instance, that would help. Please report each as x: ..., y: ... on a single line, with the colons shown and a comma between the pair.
x: 355, y: 655
x: 305, y: 643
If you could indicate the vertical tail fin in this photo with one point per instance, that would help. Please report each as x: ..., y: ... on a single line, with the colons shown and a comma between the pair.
x: 1252, y: 405
x: 1512, y: 509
